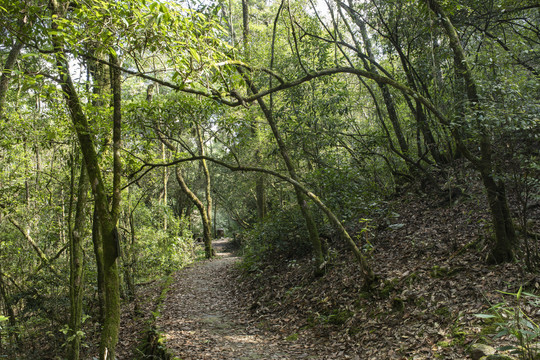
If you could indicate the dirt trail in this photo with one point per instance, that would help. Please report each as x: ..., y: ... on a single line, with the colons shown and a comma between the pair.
x: 201, y: 319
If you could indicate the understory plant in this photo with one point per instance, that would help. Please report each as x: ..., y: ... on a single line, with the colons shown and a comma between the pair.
x: 514, y: 320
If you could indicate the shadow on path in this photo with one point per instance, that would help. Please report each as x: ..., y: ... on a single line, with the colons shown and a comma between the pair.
x: 201, y: 319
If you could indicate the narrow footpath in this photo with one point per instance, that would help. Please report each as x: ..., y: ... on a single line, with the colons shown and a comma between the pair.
x: 201, y: 320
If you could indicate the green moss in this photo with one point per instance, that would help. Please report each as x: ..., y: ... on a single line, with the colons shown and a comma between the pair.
x: 292, y: 337
x: 420, y: 302
x: 439, y: 272
x: 411, y: 279
x: 388, y: 287
x: 490, y: 328
x: 339, y: 317
x: 459, y: 335
x: 154, y: 346
x: 443, y: 311
x: 444, y: 344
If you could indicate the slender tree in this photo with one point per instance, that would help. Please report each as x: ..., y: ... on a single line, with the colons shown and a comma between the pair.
x: 107, y: 218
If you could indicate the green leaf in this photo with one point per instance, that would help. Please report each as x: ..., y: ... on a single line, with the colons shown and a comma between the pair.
x: 195, y: 55
x: 506, y: 348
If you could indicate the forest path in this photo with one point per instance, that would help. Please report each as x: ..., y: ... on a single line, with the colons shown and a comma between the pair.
x: 201, y: 318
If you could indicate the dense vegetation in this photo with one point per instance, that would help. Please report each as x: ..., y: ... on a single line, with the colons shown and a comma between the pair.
x: 131, y: 128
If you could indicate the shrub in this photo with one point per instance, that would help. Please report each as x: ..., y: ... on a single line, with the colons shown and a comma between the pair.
x: 282, y: 234
x: 513, y: 321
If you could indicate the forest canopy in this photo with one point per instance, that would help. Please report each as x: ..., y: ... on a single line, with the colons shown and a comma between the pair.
x: 129, y: 129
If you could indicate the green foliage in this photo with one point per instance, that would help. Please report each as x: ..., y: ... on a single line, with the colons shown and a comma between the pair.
x: 160, y: 251
x: 282, y: 234
x: 3, y: 325
x: 346, y: 190
x: 512, y: 320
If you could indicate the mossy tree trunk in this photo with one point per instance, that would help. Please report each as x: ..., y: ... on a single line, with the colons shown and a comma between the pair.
x: 300, y: 197
x: 107, y: 217
x: 203, y: 210
x: 6, y: 73
x: 505, y: 235
x: 207, y: 229
x: 207, y: 192
x: 76, y: 262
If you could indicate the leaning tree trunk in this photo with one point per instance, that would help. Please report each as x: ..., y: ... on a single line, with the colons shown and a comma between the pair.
x: 300, y: 197
x: 203, y: 211
x: 387, y: 96
x: 505, y: 235
x: 207, y: 228
x: 207, y: 187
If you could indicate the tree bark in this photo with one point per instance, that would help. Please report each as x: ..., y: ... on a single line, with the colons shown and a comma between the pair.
x: 207, y: 184
x: 6, y: 74
x: 8, y: 303
x: 107, y: 218
x: 300, y: 197
x: 203, y: 211
x: 207, y: 228
x: 505, y: 235
x: 76, y: 259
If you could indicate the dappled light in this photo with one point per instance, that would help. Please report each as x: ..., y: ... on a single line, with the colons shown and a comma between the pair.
x: 251, y: 179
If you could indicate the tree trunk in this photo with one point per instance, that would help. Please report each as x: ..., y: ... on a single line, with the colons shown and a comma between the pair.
x: 505, y: 234
x: 387, y: 96
x: 76, y: 260
x: 106, y: 218
x: 207, y: 187
x: 6, y: 74
x: 97, y: 242
x: 8, y: 303
x: 130, y: 258
x: 207, y: 228
x: 203, y: 211
x: 300, y: 197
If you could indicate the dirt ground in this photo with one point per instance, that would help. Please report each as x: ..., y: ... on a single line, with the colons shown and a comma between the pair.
x: 203, y: 320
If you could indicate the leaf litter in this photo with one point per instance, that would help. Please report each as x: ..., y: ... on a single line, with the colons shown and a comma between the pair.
x: 434, y: 280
